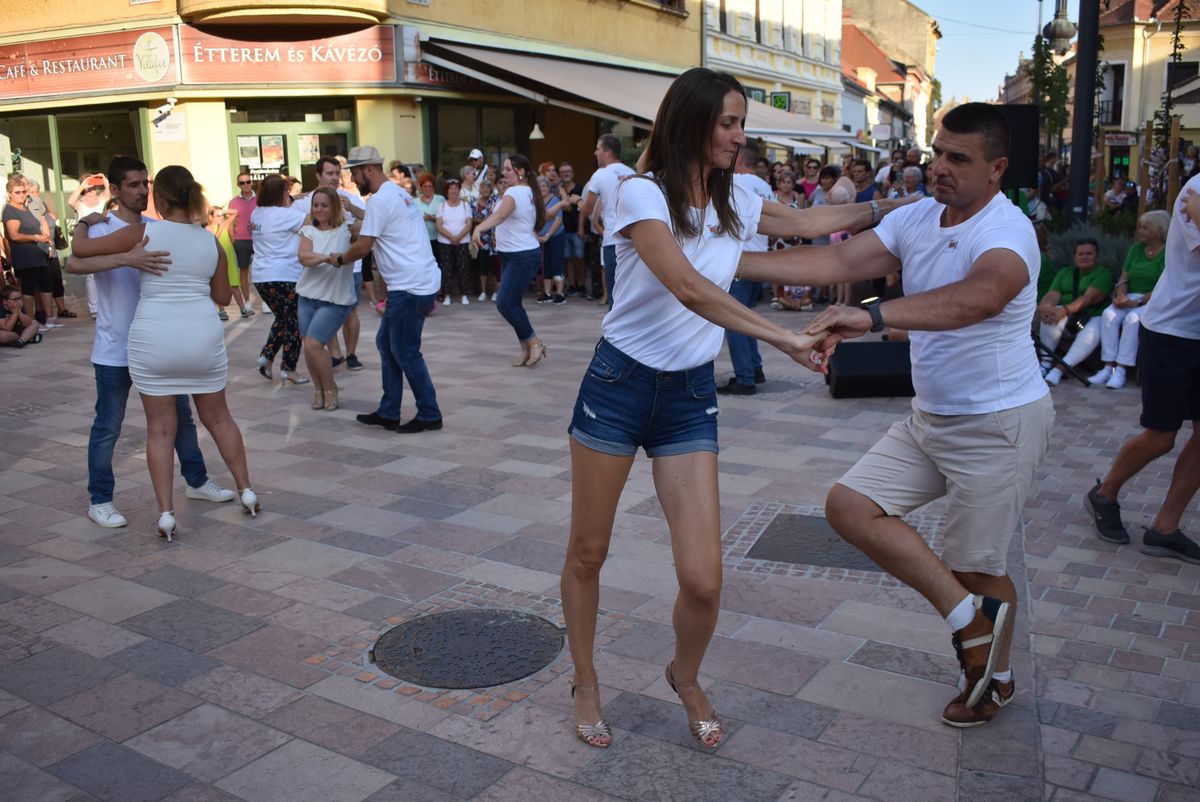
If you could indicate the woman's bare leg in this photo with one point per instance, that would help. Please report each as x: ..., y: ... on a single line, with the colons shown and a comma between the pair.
x: 214, y: 414
x: 596, y: 483
x: 319, y: 366
x: 161, y: 423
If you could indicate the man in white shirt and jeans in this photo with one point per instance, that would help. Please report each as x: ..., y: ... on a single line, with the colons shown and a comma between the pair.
x: 394, y: 229
x: 1169, y: 361
x: 982, y: 415
x: 602, y: 188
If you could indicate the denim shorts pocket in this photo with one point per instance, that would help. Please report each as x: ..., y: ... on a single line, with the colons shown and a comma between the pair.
x: 600, y: 370
x: 703, y: 388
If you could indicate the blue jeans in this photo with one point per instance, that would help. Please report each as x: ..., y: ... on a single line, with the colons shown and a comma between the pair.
x: 517, y: 269
x: 112, y: 393
x: 743, y: 350
x: 399, y: 344
x: 608, y: 255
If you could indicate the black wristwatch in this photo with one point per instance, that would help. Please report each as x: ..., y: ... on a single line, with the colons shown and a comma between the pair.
x: 339, y: 260
x: 872, y: 306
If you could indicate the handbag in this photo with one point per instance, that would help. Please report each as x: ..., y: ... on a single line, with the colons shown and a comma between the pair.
x: 60, y: 239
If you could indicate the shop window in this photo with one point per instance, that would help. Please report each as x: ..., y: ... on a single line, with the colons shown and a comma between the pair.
x: 455, y: 129
x: 1183, y: 71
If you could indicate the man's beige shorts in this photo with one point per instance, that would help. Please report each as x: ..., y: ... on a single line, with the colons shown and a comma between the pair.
x: 984, y: 464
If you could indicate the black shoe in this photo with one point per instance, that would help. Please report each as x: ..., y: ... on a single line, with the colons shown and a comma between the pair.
x: 375, y: 419
x: 415, y: 425
x: 733, y: 388
x: 557, y: 299
x: 1107, y: 516
x: 352, y: 362
x: 1176, y: 545
x: 760, y: 377
x: 337, y: 360
x: 542, y: 298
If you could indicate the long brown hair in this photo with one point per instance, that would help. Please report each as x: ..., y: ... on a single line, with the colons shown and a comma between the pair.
x: 519, y: 162
x: 680, y: 142
x: 176, y: 188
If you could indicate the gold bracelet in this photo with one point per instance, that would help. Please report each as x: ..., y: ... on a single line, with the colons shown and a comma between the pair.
x: 737, y: 274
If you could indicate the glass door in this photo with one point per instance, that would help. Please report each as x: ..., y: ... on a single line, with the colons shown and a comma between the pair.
x: 290, y: 148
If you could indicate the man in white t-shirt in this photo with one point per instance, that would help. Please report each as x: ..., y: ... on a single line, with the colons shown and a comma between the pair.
x: 118, y: 287
x: 393, y: 228
x: 982, y: 415
x: 1169, y: 372
x: 601, y: 190
x: 743, y: 350
x: 329, y: 175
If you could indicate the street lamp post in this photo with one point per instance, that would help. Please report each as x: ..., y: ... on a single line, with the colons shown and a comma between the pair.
x: 1085, y: 106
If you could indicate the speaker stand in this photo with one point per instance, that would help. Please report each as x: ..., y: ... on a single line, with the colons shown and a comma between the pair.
x: 1045, y: 353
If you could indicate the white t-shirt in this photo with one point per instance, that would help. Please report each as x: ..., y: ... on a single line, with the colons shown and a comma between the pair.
x: 988, y: 366
x: 756, y: 186
x: 603, y: 184
x: 402, y: 251
x: 328, y: 282
x: 1174, y: 306
x: 647, y: 322
x: 454, y: 219
x: 357, y: 202
x: 275, y: 231
x: 118, y: 292
x: 517, y: 233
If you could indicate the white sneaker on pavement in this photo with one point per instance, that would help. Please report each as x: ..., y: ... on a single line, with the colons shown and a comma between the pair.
x: 1101, y: 377
x: 106, y: 515
x: 1117, y: 381
x: 482, y: 296
x: 466, y: 301
x: 210, y: 491
x: 1054, y: 377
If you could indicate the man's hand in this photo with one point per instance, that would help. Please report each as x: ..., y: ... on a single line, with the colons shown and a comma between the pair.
x: 1192, y: 207
x: 93, y: 218
x: 801, y: 347
x: 840, y: 323
x: 1121, y: 301
x: 152, y: 262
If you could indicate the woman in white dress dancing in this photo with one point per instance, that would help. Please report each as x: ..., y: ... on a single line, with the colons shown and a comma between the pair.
x: 176, y: 343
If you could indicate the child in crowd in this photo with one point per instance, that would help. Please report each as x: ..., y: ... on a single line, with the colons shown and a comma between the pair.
x: 16, y: 327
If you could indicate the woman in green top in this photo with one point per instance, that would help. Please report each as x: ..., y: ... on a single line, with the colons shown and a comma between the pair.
x: 1119, y: 326
x: 1077, y: 294
x: 220, y: 223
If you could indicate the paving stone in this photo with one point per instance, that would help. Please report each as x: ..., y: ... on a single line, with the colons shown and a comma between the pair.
x: 905, y: 661
x: 300, y: 770
x: 41, y: 737
x: 245, y: 600
x: 446, y: 766
x: 395, y: 579
x: 521, y: 783
x: 1183, y: 717
x: 885, y: 739
x: 207, y: 742
x: 1080, y: 719
x: 124, y: 706
x: 333, y: 726
x: 199, y: 792
x: 783, y: 713
x: 901, y: 782
x: 163, y: 662
x: 193, y: 625
x: 982, y: 786
x: 405, y: 790
x: 92, y: 636
x: 111, y: 599
x: 241, y: 691
x: 1123, y: 786
x: 112, y: 773
x: 364, y: 543
x: 24, y: 782
x: 275, y: 652
x: 42, y: 576
x: 179, y: 582
x: 54, y: 674
x: 636, y: 767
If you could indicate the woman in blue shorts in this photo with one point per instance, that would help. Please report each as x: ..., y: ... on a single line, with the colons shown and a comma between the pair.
x: 682, y: 226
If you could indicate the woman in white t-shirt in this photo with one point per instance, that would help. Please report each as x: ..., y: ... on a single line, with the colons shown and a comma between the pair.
x: 454, y: 221
x: 325, y: 289
x: 275, y: 230
x: 517, y: 220
x: 650, y: 385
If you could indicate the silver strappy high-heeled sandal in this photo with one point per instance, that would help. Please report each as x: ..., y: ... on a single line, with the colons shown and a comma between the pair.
x: 708, y: 732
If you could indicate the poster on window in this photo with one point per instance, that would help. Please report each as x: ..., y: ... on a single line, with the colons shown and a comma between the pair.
x: 310, y: 148
x: 272, y: 150
x: 249, y: 154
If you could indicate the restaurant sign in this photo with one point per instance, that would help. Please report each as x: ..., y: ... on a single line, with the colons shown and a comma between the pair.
x: 363, y: 57
x: 123, y: 61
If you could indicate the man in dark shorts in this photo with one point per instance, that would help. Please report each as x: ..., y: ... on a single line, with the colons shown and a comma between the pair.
x: 1169, y: 371
x: 244, y: 204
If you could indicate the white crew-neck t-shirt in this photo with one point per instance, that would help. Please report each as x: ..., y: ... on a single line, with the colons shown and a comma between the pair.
x: 454, y: 219
x: 988, y: 366
x: 603, y: 184
x: 275, y: 231
x: 118, y: 292
x: 402, y: 251
x: 756, y: 186
x: 1174, y: 306
x: 515, y: 233
x: 647, y: 322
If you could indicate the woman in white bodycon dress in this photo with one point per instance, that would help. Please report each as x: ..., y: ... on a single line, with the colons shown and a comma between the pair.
x: 176, y: 343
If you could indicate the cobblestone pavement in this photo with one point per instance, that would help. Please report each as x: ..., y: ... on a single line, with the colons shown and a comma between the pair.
x: 231, y: 664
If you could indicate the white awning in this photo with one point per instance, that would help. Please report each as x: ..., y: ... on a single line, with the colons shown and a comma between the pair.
x: 796, y: 145
x: 861, y: 146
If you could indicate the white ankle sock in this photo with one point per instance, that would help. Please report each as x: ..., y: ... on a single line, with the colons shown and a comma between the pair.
x: 1003, y: 676
x: 962, y: 613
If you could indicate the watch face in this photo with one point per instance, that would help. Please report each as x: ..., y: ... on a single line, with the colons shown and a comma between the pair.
x: 868, y: 301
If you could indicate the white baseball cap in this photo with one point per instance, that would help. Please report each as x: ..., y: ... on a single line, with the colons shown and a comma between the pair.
x: 475, y: 153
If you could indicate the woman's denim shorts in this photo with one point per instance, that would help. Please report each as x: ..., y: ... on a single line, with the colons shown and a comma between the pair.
x: 321, y: 319
x: 624, y: 405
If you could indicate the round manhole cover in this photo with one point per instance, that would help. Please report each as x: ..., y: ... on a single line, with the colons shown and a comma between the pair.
x: 468, y: 648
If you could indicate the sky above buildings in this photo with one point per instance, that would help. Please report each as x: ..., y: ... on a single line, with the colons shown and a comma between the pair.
x: 981, y: 41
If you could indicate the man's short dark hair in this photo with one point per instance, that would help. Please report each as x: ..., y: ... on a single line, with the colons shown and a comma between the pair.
x: 748, y: 154
x: 984, y: 119
x: 1087, y: 241
x: 122, y: 166
x: 862, y: 163
x: 324, y: 160
x: 830, y: 171
x: 611, y: 143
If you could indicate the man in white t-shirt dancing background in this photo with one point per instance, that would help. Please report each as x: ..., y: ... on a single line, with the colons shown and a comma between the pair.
x: 982, y: 415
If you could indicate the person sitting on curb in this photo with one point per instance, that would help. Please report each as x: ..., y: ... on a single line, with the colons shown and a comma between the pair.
x: 16, y: 327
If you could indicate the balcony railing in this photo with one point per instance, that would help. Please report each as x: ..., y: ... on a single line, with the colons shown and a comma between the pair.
x: 1108, y: 112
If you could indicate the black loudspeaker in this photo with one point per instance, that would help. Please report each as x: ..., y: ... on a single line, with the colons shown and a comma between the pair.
x: 1023, y: 124
x: 870, y: 370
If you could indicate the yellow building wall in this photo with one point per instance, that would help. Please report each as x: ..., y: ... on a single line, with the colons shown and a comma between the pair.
x: 46, y: 19
x: 204, y: 149
x: 635, y: 29
x: 392, y: 124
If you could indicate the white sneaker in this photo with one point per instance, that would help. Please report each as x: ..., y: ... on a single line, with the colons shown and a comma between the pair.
x: 52, y: 323
x: 448, y: 302
x: 1102, y: 376
x: 210, y: 491
x: 266, y: 310
x: 493, y: 296
x: 482, y: 296
x: 465, y: 301
x: 1118, y: 379
x: 106, y: 515
x: 1054, y: 377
